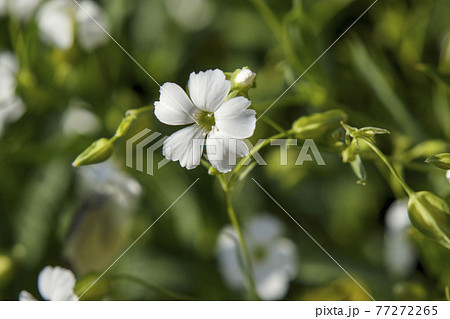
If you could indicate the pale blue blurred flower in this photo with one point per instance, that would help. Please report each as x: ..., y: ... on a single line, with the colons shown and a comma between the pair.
x: 58, y: 20
x: 18, y: 9
x: 400, y: 253
x: 11, y: 106
x: 274, y: 258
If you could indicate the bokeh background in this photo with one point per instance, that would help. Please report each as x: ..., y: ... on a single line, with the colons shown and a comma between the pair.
x: 388, y: 71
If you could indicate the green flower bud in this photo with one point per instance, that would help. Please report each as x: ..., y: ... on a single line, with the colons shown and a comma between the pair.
x: 213, y: 171
x: 316, y: 125
x: 6, y: 269
x: 95, y: 292
x: 97, y: 152
x: 430, y: 214
x: 350, y: 153
x: 427, y: 148
x: 124, y: 126
x: 440, y: 160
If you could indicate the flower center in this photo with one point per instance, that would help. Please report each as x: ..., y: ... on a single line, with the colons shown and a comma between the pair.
x: 259, y: 253
x: 206, y: 120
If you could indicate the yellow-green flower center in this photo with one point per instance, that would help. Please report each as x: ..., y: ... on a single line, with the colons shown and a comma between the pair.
x: 206, y: 120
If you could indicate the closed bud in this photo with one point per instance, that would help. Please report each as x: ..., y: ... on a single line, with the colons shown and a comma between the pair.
x: 213, y: 171
x: 124, y: 126
x: 350, y: 153
x: 97, y: 152
x: 243, y: 78
x: 430, y: 214
x: 440, y: 160
x: 316, y: 125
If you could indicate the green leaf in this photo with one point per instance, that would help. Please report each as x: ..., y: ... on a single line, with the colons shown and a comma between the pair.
x: 97, y: 152
x: 441, y: 161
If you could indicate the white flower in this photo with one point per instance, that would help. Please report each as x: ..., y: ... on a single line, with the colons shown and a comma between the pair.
x: 11, y: 106
x: 57, y: 20
x: 19, y: 9
x: 245, y: 77
x: 224, y: 123
x: 54, y: 284
x: 274, y: 258
x: 400, y: 254
x: 193, y: 15
x: 78, y: 120
x: 448, y: 176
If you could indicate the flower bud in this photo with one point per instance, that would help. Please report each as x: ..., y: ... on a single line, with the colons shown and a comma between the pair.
x: 97, y: 152
x: 430, y: 214
x: 244, y: 78
x: 316, y: 125
x: 440, y: 160
x: 124, y: 126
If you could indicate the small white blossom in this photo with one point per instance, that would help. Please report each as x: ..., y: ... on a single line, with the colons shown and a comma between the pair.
x: 400, y: 254
x: 448, y: 176
x: 57, y: 20
x: 245, y: 77
x: 218, y: 124
x: 54, y: 284
x: 274, y: 258
x: 11, y: 106
x: 78, y: 120
x: 19, y: 9
x: 192, y: 15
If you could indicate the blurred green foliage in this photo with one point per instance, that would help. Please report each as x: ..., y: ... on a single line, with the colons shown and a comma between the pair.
x: 390, y: 70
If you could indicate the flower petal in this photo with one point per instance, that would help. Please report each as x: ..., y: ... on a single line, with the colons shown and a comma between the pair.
x: 234, y: 119
x: 263, y: 229
x: 90, y: 35
x: 55, y: 23
x: 174, y: 106
x: 185, y: 146
x: 56, y: 283
x: 228, y: 257
x: 26, y: 296
x: 208, y: 89
x: 273, y: 274
x: 223, y: 151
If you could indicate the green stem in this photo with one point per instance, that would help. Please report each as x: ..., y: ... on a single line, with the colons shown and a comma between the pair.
x: 245, y: 252
x: 389, y: 165
x: 273, y: 124
x: 160, y: 290
x: 256, y: 148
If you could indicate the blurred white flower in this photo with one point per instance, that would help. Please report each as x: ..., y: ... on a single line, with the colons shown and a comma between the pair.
x: 54, y: 284
x: 274, y: 258
x: 19, y: 9
x: 57, y: 20
x: 77, y: 120
x: 11, y: 106
x: 99, y: 228
x: 224, y: 124
x: 107, y: 180
x: 448, y: 175
x: 245, y: 77
x: 400, y: 254
x: 193, y: 15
